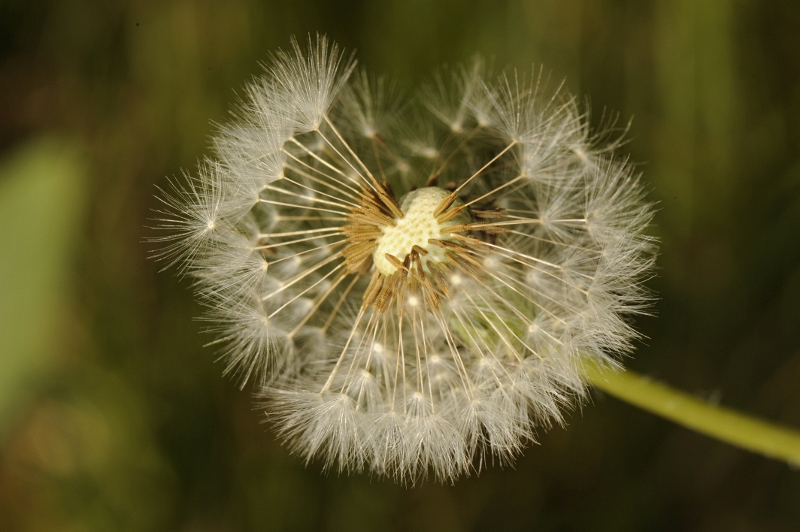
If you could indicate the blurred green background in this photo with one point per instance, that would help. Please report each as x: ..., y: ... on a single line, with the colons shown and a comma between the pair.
x: 113, y: 416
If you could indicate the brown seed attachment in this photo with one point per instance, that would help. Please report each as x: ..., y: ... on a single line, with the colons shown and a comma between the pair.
x: 414, y: 255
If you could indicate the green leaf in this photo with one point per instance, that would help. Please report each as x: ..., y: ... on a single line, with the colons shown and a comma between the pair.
x: 42, y: 200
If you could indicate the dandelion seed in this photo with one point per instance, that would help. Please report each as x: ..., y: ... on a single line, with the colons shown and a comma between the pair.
x: 412, y: 303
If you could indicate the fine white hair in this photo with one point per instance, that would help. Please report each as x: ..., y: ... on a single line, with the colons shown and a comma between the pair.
x: 526, y: 256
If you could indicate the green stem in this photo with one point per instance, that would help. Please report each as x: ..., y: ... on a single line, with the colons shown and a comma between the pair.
x: 722, y: 423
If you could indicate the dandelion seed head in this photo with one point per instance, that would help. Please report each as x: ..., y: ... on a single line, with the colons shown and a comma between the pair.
x: 411, y: 285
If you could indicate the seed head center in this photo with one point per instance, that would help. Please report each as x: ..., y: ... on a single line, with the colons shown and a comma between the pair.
x: 416, y: 228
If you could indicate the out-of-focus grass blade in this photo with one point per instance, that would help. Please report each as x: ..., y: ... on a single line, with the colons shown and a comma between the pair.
x: 42, y: 198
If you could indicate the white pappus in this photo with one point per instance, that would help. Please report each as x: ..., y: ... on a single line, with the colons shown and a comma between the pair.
x: 412, y: 286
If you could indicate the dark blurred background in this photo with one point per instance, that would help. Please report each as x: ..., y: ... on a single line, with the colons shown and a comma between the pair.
x: 114, y: 417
